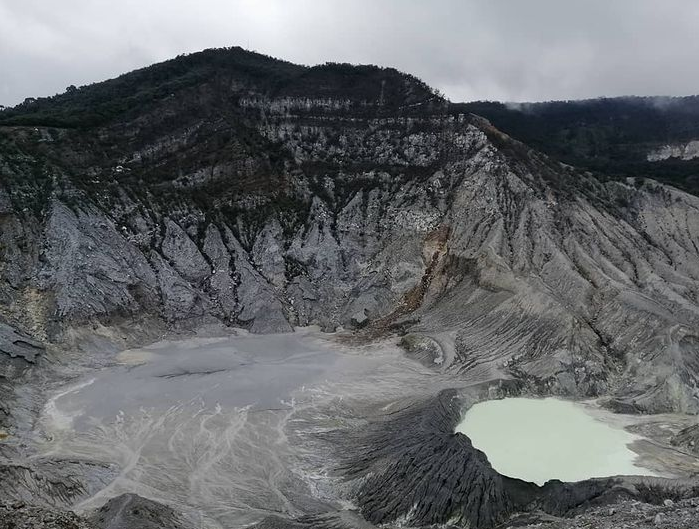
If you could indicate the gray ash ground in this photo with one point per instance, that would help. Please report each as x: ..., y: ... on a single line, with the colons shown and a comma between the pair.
x: 294, y: 430
x: 227, y: 429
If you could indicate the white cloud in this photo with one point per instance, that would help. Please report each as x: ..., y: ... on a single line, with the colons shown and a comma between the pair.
x: 470, y: 49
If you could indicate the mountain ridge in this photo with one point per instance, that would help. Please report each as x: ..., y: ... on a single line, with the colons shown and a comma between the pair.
x: 260, y: 73
x: 227, y: 202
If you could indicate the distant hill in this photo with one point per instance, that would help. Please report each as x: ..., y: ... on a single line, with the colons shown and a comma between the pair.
x: 614, y: 137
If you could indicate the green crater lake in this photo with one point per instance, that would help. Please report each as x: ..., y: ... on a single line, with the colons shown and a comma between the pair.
x: 541, y: 439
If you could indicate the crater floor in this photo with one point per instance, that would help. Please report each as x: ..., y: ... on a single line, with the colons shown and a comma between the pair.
x: 219, y: 427
x: 232, y: 429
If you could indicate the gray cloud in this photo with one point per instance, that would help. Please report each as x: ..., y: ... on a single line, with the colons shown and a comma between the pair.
x: 512, y: 50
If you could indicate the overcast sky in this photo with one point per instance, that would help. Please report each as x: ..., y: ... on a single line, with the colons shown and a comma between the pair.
x: 512, y: 50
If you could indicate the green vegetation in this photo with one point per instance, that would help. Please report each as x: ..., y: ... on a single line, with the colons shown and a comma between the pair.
x: 216, y: 76
x: 132, y: 93
x: 363, y: 83
x: 608, y: 136
x: 27, y: 180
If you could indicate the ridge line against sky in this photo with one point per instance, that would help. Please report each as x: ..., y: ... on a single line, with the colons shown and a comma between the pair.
x: 511, y: 50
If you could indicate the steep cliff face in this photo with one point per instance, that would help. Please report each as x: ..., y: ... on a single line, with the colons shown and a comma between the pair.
x: 352, y: 197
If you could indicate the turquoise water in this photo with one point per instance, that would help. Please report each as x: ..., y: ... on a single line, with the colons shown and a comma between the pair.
x: 541, y: 439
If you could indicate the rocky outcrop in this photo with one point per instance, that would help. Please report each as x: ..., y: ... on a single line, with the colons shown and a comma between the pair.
x: 57, y: 483
x: 19, y: 515
x: 628, y: 513
x: 412, y: 469
x: 348, y: 519
x: 18, y: 345
x: 130, y: 511
x: 687, y: 439
x: 423, y: 349
x: 686, y: 151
